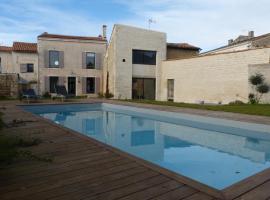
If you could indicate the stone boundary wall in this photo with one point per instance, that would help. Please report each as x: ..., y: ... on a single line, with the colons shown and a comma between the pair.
x: 9, y: 85
x: 214, y: 78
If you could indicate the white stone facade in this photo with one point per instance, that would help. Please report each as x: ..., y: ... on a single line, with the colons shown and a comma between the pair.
x: 118, y: 60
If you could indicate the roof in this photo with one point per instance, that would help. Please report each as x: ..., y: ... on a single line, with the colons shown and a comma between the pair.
x: 5, y: 49
x: 183, y: 46
x: 241, y: 39
x: 47, y: 35
x: 24, y: 47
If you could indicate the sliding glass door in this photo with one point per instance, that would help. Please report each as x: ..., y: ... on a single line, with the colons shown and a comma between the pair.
x: 143, y: 88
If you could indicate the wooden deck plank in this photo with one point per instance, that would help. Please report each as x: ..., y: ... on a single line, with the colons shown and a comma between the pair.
x: 51, y: 182
x: 199, y: 196
x: 153, y: 191
x: 178, y: 193
x: 259, y: 193
x: 126, y: 190
x: 100, y: 185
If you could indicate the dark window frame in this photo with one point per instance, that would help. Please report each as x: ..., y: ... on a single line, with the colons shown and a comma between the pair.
x: 90, y: 67
x: 91, y: 89
x: 52, y: 63
x: 28, y: 67
x: 140, y: 57
x: 52, y: 90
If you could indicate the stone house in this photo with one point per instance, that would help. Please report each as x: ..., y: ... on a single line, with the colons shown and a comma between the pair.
x: 73, y: 61
x: 21, y: 59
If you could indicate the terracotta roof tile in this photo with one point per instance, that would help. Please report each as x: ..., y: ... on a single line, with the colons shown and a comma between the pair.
x: 47, y: 35
x: 5, y: 49
x: 182, y: 46
x: 25, y: 47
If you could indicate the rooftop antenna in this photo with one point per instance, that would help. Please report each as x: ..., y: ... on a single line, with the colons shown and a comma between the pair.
x: 151, y: 21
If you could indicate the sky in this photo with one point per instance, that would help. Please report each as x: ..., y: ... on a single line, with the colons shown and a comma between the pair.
x: 204, y: 23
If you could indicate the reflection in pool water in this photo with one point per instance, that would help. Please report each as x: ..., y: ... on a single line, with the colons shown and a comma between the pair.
x: 214, y: 154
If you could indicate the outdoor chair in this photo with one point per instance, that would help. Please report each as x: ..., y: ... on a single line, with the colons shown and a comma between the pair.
x: 29, y: 94
x: 61, y: 92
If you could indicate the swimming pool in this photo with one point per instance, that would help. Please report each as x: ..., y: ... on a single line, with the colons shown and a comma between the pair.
x: 215, y: 152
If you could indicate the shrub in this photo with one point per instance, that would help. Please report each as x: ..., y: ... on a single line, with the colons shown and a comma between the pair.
x: 257, y: 81
x: 108, y: 95
x: 237, y: 102
x: 251, y: 98
x: 105, y: 95
x: 47, y: 95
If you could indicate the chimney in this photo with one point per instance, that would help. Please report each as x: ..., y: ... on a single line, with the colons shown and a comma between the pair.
x: 251, y: 34
x: 104, y: 31
x: 230, y: 41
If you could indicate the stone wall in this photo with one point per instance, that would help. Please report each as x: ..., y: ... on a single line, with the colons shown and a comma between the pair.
x: 9, y: 85
x: 214, y: 78
x: 175, y: 53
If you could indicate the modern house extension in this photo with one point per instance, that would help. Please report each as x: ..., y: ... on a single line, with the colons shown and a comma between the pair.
x: 132, y: 62
x: 73, y: 61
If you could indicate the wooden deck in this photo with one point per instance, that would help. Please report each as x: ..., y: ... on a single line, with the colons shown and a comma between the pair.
x: 85, y: 169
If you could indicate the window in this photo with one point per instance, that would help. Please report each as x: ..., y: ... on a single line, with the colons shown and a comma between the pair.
x: 90, y: 85
x: 53, y: 83
x: 54, y: 60
x: 170, y: 88
x: 90, y: 60
x: 144, y: 57
x: 27, y: 68
x: 30, y: 67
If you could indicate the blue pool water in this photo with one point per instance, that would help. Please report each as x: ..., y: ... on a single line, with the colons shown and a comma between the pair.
x: 215, y: 152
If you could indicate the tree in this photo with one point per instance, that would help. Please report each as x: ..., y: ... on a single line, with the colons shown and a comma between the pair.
x: 258, y: 83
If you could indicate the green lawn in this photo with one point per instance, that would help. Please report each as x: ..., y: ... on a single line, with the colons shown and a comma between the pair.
x: 259, y: 109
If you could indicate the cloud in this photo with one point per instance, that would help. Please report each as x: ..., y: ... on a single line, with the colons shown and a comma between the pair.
x: 28, y: 19
x: 205, y: 23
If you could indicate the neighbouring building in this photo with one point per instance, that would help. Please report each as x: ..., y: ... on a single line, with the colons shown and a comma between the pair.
x: 132, y: 62
x: 21, y: 59
x: 243, y: 42
x: 73, y: 61
x: 181, y: 51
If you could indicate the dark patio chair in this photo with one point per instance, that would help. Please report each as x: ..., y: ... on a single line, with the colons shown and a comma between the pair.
x: 29, y: 94
x: 61, y: 92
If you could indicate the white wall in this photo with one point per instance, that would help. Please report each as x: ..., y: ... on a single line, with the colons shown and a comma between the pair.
x: 214, y: 78
x: 123, y: 40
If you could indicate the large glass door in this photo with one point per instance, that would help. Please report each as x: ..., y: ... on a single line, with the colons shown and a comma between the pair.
x: 143, y: 88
